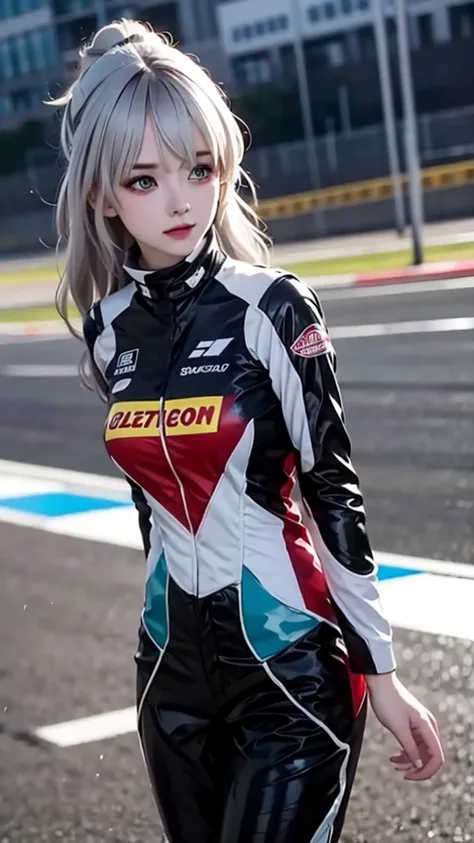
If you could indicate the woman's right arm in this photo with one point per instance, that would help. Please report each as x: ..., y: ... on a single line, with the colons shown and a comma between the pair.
x: 92, y: 326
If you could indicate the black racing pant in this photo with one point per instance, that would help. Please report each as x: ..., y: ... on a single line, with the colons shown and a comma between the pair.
x: 238, y: 751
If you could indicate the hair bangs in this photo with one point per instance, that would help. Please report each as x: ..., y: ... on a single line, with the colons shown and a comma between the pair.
x: 178, y: 117
x: 123, y: 136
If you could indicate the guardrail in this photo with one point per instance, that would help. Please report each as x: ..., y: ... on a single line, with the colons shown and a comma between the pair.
x: 373, y: 190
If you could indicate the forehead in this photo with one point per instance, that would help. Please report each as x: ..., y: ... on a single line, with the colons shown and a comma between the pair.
x: 153, y: 150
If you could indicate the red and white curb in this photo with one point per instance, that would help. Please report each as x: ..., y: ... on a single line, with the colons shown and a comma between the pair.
x: 440, y: 271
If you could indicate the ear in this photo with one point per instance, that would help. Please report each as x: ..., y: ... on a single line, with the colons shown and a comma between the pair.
x: 223, y: 193
x: 109, y: 211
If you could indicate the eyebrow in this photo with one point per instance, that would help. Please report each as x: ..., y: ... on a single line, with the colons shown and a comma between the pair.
x: 203, y: 153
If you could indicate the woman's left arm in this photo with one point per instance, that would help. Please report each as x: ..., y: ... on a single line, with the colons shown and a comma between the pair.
x: 290, y: 337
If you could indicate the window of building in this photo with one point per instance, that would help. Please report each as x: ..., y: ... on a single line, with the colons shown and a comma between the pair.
x: 462, y: 20
x: 66, y: 7
x: 247, y: 31
x: 346, y: 6
x: 236, y: 34
x: 14, y: 8
x: 6, y: 64
x: 49, y: 47
x: 314, y: 14
x: 6, y: 105
x: 329, y: 11
x: 27, y: 53
x: 253, y: 70
x: 425, y: 30
x: 365, y: 36
x: 21, y: 100
x: 260, y: 27
x: 335, y: 53
x: 23, y: 54
x: 364, y: 4
x: 39, y: 59
x: 282, y: 22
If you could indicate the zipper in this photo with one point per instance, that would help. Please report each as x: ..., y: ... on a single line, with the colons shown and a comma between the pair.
x: 195, y: 578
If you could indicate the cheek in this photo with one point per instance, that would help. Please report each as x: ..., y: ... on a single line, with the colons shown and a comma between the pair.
x: 136, y: 207
x: 214, y: 189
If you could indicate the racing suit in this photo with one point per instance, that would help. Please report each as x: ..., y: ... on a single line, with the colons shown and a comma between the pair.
x: 261, y: 611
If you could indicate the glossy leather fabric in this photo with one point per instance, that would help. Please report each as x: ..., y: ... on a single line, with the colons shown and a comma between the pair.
x: 240, y: 751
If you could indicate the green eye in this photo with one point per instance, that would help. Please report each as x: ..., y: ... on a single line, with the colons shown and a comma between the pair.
x: 145, y: 182
x: 202, y: 172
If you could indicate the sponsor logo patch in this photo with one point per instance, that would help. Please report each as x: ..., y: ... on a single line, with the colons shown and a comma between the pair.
x: 204, y: 370
x: 312, y: 342
x: 182, y: 417
x: 127, y: 362
x: 211, y: 348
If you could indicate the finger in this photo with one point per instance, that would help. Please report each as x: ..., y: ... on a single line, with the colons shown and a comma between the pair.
x: 434, y: 723
x: 432, y: 753
x: 402, y: 762
x: 409, y: 746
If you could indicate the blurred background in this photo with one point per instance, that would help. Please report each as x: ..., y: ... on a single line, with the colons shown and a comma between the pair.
x: 318, y: 81
x: 361, y: 114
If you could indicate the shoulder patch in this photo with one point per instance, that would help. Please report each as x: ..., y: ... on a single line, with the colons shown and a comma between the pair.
x: 312, y: 342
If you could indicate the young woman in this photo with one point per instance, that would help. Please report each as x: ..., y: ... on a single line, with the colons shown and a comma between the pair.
x: 262, y: 634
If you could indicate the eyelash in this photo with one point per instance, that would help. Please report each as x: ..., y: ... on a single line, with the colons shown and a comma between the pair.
x: 208, y: 169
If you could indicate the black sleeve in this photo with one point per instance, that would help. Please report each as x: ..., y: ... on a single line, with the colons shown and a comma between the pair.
x: 294, y: 345
x: 92, y: 327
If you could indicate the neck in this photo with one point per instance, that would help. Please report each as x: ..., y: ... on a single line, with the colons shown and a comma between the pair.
x: 151, y: 260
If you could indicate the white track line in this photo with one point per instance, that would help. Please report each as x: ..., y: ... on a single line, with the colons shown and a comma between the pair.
x: 437, y: 601
x: 68, y: 478
x: 419, y: 563
x: 88, y: 729
x: 430, y: 603
x: 40, y: 371
x: 407, y: 287
x: 426, y: 603
x: 459, y: 323
x: 24, y: 478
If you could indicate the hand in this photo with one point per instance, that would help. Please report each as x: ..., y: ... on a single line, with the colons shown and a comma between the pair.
x: 410, y: 723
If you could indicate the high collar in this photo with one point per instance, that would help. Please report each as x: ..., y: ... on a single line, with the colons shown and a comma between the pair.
x: 177, y: 280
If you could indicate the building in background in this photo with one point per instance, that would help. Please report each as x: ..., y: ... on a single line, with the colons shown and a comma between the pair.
x: 257, y: 34
x: 39, y: 41
x: 248, y: 45
x: 245, y: 43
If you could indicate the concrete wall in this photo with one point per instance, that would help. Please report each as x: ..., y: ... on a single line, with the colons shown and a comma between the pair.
x: 449, y: 203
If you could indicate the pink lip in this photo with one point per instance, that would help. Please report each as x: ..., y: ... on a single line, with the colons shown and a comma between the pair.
x: 180, y: 232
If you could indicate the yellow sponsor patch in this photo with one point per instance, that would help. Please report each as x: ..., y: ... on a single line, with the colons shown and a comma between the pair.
x: 182, y: 417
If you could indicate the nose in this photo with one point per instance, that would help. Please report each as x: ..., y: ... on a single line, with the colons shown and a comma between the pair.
x: 177, y: 205
x: 183, y: 209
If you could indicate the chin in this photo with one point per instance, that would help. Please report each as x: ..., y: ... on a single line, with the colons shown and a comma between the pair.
x: 182, y: 247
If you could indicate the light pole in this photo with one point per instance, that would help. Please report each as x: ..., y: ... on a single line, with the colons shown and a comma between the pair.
x: 410, y: 131
x: 305, y: 107
x: 389, y: 113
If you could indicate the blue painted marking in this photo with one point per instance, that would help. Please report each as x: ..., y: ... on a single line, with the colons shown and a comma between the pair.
x: 389, y: 572
x: 54, y: 504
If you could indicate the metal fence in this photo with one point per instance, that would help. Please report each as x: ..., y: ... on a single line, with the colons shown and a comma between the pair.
x: 283, y: 169
x: 358, y: 155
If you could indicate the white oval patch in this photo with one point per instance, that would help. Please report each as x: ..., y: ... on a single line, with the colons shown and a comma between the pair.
x: 117, y: 387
